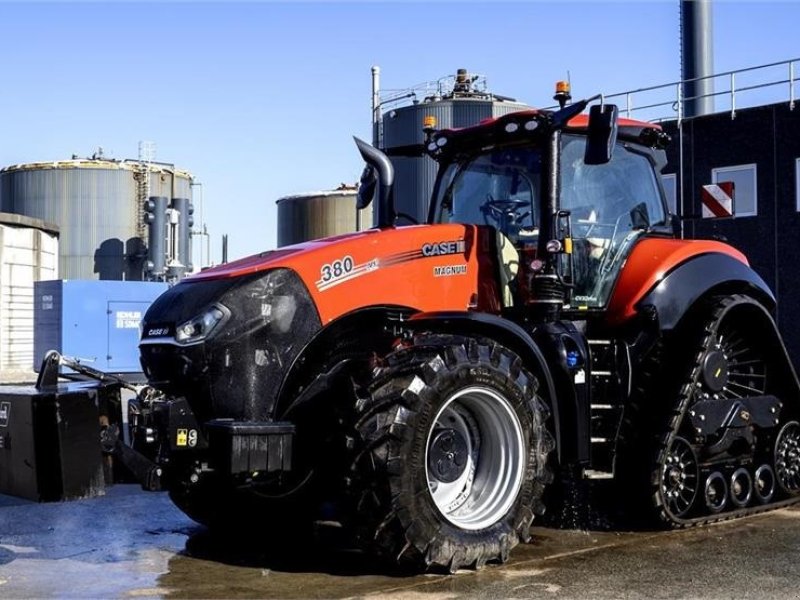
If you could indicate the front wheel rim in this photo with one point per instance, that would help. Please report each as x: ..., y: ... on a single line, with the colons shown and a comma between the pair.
x: 475, y: 458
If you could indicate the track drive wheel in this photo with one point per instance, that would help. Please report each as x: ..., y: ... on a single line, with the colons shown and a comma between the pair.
x: 450, y: 454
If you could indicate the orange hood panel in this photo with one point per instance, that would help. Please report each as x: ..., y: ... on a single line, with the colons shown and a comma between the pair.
x: 426, y: 267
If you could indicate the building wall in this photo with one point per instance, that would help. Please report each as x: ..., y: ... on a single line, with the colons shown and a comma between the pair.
x: 27, y: 254
x: 768, y: 137
x: 97, y: 207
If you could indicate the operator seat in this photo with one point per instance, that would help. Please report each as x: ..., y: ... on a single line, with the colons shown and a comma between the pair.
x: 508, y: 263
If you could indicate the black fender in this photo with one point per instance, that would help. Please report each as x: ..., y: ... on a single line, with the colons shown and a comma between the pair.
x: 505, y: 332
x: 322, y: 360
x: 675, y: 294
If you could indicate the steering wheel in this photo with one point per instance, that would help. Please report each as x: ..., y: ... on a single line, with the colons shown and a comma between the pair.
x: 506, y: 209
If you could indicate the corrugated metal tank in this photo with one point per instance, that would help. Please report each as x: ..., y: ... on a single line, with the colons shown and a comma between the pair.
x: 318, y: 215
x: 403, y: 135
x: 97, y: 204
x: 28, y: 253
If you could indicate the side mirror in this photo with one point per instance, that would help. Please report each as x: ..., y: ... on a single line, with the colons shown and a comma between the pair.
x: 640, y: 218
x: 602, y: 134
x: 675, y: 223
x: 366, y: 187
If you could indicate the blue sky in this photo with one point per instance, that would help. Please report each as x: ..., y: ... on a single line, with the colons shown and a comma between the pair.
x: 260, y: 100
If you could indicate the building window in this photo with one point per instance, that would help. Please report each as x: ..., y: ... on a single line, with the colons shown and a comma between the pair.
x: 670, y: 183
x: 744, y: 187
x: 797, y: 182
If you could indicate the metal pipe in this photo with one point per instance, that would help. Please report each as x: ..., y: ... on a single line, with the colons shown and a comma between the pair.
x: 385, y: 210
x: 697, y: 60
x: 550, y: 190
x: 376, y: 106
x: 208, y: 244
x: 679, y: 182
x: 202, y: 222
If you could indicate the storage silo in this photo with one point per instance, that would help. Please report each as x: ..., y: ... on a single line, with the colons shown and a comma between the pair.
x: 318, y: 215
x: 98, y: 204
x: 458, y: 101
x: 28, y: 253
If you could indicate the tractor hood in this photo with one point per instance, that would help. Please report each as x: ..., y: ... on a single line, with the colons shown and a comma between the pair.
x: 424, y: 267
x: 271, y: 259
x: 226, y: 337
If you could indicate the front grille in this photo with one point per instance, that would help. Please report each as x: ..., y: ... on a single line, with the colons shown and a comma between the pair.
x: 237, y: 372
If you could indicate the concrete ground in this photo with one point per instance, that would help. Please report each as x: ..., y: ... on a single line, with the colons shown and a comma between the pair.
x: 132, y: 544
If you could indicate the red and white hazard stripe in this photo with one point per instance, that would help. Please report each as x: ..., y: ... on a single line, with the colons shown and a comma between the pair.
x: 717, y: 200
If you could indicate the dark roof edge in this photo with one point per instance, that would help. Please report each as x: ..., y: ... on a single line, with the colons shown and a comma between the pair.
x: 25, y: 221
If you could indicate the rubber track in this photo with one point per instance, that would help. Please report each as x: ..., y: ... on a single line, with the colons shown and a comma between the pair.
x: 720, y: 308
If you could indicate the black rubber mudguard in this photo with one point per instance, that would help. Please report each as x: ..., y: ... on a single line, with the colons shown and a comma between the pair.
x: 680, y: 289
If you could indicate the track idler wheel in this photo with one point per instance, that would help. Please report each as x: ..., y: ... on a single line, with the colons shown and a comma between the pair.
x: 787, y: 458
x: 741, y: 487
x: 716, y: 492
x: 764, y: 486
x: 679, y: 477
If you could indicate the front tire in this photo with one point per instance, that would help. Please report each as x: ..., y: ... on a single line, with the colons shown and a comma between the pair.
x: 450, y: 452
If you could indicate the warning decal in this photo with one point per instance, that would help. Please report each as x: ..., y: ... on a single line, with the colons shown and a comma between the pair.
x: 717, y: 200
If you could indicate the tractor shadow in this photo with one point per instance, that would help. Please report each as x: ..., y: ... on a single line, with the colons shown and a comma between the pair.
x: 580, y: 505
x: 325, y: 550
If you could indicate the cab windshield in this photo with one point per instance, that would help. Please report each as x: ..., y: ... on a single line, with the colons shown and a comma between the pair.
x: 500, y: 188
x: 610, y: 205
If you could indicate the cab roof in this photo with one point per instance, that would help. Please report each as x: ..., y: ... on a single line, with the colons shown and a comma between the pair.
x: 528, y: 123
x: 627, y: 127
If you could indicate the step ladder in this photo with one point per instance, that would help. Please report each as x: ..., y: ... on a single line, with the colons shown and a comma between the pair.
x: 609, y: 390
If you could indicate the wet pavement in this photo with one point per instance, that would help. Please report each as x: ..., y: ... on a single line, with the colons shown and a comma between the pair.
x: 132, y: 544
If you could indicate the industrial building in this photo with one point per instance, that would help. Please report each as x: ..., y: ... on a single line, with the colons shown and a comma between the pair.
x: 316, y: 215
x: 93, y: 221
x: 459, y: 100
x: 98, y: 205
x: 759, y: 150
x: 28, y: 253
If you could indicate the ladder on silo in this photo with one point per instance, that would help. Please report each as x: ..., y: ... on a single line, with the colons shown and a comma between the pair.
x: 147, y: 152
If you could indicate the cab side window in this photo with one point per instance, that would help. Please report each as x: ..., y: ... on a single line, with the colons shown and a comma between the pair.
x: 610, y: 205
x: 623, y: 192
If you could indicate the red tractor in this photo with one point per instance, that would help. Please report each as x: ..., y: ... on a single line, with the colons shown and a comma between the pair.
x: 421, y: 384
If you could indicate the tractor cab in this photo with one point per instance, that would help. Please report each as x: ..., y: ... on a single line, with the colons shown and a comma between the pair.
x: 567, y: 215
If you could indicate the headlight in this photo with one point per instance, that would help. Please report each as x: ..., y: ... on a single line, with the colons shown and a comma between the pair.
x: 199, y: 328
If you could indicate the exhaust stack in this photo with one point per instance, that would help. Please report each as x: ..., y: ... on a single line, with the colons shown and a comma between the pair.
x: 697, y: 58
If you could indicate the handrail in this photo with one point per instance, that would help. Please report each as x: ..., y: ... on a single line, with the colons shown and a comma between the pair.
x: 677, y: 102
x: 634, y: 103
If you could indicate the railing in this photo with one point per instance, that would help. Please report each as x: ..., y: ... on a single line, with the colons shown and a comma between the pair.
x: 430, y: 90
x: 754, y: 86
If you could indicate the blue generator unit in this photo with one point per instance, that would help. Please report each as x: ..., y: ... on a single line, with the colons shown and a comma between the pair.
x: 96, y: 322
